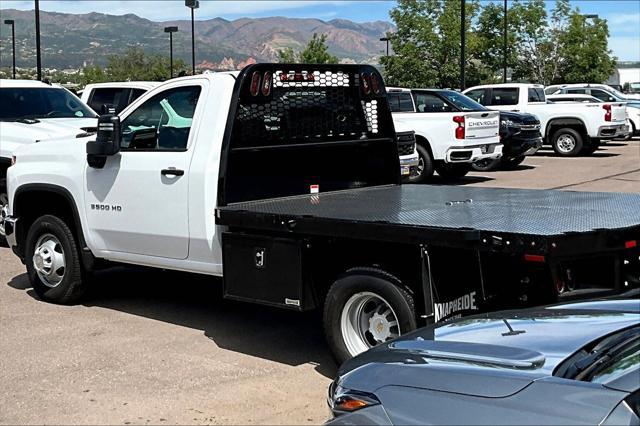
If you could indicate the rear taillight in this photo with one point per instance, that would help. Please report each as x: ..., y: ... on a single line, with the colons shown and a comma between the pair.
x: 266, y: 84
x: 607, y: 114
x: 255, y: 84
x: 376, y: 86
x: 460, y: 129
x: 366, y: 84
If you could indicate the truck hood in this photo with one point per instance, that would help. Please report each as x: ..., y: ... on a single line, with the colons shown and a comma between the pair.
x: 16, y: 134
x: 492, y: 355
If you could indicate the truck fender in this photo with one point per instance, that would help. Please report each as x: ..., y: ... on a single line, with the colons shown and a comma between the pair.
x: 561, y: 122
x: 28, y: 206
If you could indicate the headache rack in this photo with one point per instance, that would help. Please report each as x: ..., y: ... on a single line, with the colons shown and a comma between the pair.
x: 293, y: 127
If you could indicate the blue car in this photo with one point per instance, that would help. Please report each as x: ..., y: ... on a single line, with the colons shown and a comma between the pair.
x: 568, y: 364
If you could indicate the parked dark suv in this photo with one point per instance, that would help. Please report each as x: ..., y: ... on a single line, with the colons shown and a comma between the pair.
x: 520, y: 136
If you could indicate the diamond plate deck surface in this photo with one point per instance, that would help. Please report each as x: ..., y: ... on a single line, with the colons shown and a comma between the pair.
x: 518, y: 211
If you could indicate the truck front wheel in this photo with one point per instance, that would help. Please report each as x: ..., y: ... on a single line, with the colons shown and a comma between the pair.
x: 364, y: 309
x: 424, y: 169
x: 567, y: 142
x: 53, y: 261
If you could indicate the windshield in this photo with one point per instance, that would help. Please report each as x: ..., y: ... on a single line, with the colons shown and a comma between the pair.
x: 462, y: 102
x: 615, y: 92
x: 627, y: 360
x: 19, y: 103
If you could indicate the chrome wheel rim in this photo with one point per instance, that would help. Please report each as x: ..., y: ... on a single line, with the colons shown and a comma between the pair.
x: 367, y: 320
x: 49, y: 260
x: 566, y: 143
x: 419, y: 169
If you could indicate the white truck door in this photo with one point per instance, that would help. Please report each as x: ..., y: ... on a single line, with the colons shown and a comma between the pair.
x: 138, y: 203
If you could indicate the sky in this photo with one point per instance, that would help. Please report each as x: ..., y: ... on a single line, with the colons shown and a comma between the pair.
x: 623, y: 15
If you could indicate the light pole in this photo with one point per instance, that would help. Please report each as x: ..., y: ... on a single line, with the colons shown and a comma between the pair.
x: 463, y: 42
x: 38, y: 52
x: 386, y: 39
x: 504, y: 52
x: 13, y: 41
x: 171, y: 30
x: 193, y: 5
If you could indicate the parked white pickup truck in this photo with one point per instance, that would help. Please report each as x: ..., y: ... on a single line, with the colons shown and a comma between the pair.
x: 451, y: 133
x: 571, y: 129
x: 31, y: 111
x: 117, y: 95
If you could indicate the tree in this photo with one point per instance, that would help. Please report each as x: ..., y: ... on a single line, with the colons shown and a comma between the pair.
x: 427, y: 43
x: 287, y: 56
x: 489, y: 42
x: 538, y: 40
x: 317, y: 51
x: 134, y: 65
x: 585, y: 51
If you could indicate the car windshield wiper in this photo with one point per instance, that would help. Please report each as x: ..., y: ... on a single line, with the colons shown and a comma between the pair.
x: 600, y: 354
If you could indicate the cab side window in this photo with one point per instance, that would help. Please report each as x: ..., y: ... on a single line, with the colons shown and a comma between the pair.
x: 506, y: 96
x: 428, y: 102
x: 163, y: 122
x: 112, y: 96
x: 477, y: 95
x: 400, y: 102
x: 602, y: 95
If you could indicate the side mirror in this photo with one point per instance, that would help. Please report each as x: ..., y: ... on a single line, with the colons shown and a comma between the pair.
x: 107, y: 141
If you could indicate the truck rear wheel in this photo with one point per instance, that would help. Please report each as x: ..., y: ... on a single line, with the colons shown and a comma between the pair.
x: 53, y: 261
x: 364, y: 309
x: 424, y: 169
x: 485, y: 165
x: 567, y: 142
x: 452, y: 171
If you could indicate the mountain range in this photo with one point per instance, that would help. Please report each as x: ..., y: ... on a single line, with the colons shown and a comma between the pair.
x: 75, y: 40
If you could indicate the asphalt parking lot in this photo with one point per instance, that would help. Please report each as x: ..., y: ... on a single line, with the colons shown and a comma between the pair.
x: 154, y: 347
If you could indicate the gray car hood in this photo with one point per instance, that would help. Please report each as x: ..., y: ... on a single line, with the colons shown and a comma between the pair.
x: 492, y: 355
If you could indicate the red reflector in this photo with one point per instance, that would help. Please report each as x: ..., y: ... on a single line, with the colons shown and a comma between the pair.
x: 534, y: 258
x: 255, y: 84
x: 631, y: 244
x: 366, y: 84
x: 266, y: 84
x: 375, y: 83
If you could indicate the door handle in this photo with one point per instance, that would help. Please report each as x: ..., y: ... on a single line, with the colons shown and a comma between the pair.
x: 172, y: 172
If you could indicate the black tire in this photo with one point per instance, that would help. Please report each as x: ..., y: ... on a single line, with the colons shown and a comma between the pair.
x: 511, y: 163
x: 453, y: 171
x: 424, y: 170
x: 358, y: 282
x: 486, y: 165
x: 71, y: 287
x: 567, y: 142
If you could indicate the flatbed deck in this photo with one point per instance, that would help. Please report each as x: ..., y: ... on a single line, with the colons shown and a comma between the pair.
x: 504, y: 219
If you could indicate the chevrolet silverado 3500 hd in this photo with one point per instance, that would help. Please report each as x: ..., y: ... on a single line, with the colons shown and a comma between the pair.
x: 284, y: 181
